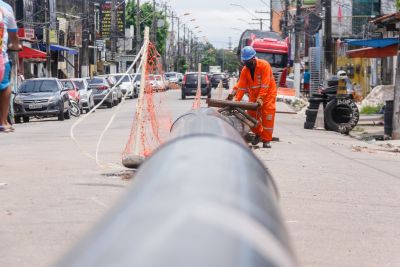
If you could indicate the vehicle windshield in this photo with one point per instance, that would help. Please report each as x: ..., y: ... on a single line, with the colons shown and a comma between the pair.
x: 80, y: 84
x: 68, y: 85
x: 170, y: 75
x: 151, y: 78
x: 158, y: 78
x: 125, y: 78
x: 218, y: 76
x: 275, y: 60
x: 96, y: 81
x: 137, y: 77
x: 39, y: 86
x: 192, y: 78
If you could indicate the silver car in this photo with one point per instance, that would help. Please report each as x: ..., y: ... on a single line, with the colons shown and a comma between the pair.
x: 101, y: 87
x: 126, y: 84
x: 136, y: 83
x: 86, y: 93
x: 41, y: 97
x: 114, y: 86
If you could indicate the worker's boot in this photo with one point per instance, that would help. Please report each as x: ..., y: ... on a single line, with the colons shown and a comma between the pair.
x: 255, y: 140
x: 266, y: 144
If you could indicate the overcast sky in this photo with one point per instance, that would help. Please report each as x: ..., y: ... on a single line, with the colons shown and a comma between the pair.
x: 216, y: 18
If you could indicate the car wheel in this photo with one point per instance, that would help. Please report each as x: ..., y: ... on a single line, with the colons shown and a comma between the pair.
x: 17, y: 119
x: 110, y: 104
x: 26, y: 119
x: 67, y: 114
x: 61, y: 115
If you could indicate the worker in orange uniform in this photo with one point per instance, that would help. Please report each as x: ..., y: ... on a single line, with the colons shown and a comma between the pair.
x: 257, y: 80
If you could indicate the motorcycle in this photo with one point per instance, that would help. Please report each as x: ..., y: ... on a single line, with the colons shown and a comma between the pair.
x: 74, y: 107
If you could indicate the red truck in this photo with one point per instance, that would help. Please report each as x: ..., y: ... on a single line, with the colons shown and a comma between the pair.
x: 271, y: 47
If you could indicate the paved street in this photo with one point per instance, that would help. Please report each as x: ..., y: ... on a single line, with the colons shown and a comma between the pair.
x: 340, y: 197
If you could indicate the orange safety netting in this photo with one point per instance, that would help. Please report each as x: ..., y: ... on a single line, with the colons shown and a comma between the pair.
x: 153, y: 121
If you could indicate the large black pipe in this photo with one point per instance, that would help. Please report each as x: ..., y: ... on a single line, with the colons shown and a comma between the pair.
x: 203, y: 199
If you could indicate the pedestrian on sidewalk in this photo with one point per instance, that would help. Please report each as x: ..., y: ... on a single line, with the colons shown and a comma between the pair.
x: 257, y: 80
x: 306, y: 81
x: 8, y: 40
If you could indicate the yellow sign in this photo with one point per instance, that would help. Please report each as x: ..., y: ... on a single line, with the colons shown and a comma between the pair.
x: 53, y: 36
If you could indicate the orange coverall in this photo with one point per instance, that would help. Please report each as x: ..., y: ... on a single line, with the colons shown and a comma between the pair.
x: 262, y: 87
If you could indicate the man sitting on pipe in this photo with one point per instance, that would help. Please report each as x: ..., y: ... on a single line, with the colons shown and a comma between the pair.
x: 257, y: 80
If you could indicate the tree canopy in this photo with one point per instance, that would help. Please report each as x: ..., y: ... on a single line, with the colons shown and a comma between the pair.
x: 146, y: 19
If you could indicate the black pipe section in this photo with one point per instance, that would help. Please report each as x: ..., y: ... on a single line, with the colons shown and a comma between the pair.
x: 203, y: 199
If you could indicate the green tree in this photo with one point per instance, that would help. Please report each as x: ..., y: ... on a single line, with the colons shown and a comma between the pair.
x: 208, y: 53
x: 146, y: 19
x: 228, y: 60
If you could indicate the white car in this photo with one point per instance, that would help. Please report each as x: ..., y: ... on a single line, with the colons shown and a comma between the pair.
x: 126, y: 84
x: 172, y: 77
x: 157, y: 82
x: 86, y: 94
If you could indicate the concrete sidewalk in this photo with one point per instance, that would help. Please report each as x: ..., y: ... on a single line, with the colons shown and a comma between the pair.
x: 340, y: 196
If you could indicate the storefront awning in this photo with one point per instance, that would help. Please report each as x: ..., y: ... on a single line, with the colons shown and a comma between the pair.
x: 370, y: 52
x: 376, y: 43
x: 70, y: 51
x: 29, y: 53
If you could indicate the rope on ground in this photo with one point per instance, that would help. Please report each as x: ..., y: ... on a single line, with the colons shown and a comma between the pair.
x: 82, y: 118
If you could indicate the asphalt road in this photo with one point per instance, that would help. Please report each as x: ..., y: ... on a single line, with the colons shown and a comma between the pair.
x: 340, y: 200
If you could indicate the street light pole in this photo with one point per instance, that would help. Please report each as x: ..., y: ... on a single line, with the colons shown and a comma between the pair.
x: 154, y: 28
x: 138, y: 33
x: 48, y: 53
x: 297, y: 61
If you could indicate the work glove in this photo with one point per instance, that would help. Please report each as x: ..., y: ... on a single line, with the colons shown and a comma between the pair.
x: 260, y: 102
x: 230, y: 97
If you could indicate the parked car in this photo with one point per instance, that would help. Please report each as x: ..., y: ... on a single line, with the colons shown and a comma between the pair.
x: 73, y: 91
x: 101, y: 87
x: 162, y: 83
x: 114, y: 86
x: 43, y: 97
x: 156, y: 82
x: 216, y: 78
x: 190, y: 82
x: 126, y: 83
x: 180, y: 78
x: 86, y: 94
x: 172, y: 77
x: 136, y: 81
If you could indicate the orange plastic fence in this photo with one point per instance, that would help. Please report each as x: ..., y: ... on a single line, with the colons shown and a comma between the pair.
x: 155, y: 122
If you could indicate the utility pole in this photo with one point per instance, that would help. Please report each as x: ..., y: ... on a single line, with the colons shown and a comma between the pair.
x: 48, y: 52
x: 179, y: 49
x: 154, y: 25
x: 184, y: 41
x: 328, y: 36
x: 396, y: 103
x: 286, y: 22
x: 85, y: 41
x: 172, y: 49
x: 297, y: 61
x: 261, y: 23
x: 166, y: 39
x: 114, y: 29
x: 269, y: 17
x: 138, y: 34
x: 230, y: 43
